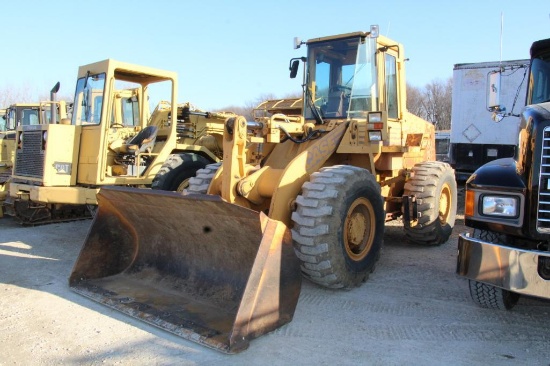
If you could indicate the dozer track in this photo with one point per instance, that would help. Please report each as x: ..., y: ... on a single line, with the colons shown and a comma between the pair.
x: 32, y: 214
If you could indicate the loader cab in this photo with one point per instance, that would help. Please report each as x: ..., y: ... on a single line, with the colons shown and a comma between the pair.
x: 341, y: 76
x: 125, y: 110
x: 351, y: 75
x: 112, y: 107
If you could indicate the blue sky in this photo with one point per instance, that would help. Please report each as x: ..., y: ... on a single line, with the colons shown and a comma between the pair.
x: 232, y: 52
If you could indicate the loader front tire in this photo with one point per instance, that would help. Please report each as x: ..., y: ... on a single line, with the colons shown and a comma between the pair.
x: 339, y: 226
x: 176, y: 171
x: 201, y: 181
x: 434, y: 186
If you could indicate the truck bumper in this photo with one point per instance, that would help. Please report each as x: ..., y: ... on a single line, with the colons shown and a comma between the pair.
x: 524, y: 272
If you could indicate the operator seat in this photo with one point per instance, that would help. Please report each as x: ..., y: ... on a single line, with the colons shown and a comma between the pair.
x: 142, y: 142
x: 335, y: 104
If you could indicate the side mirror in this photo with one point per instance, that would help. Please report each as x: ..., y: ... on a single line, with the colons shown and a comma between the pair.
x: 493, y: 92
x: 294, y: 64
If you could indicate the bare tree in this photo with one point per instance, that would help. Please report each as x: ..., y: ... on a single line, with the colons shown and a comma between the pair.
x: 24, y: 94
x: 415, y: 101
x: 433, y: 102
x: 10, y: 95
x: 247, y: 109
x: 437, y: 101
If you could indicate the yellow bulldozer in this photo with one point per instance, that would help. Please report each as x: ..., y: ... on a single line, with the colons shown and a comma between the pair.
x: 296, y: 195
x: 24, y: 114
x: 126, y: 129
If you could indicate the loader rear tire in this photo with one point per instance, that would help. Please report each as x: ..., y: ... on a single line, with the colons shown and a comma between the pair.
x: 201, y: 181
x: 176, y: 171
x: 339, y: 226
x: 434, y: 186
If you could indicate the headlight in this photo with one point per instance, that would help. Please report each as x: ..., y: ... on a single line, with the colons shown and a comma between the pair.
x: 375, y: 136
x: 500, y: 206
x: 375, y: 117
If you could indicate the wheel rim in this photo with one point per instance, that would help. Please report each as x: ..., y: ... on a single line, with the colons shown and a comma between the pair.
x: 183, y: 185
x: 445, y: 203
x: 359, y: 229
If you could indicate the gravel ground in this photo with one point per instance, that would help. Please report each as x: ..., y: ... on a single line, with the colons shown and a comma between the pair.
x: 412, y: 310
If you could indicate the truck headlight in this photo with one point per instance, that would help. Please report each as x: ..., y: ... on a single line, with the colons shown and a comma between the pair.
x: 499, y: 206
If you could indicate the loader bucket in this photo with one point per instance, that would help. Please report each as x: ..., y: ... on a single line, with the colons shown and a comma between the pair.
x: 204, y: 269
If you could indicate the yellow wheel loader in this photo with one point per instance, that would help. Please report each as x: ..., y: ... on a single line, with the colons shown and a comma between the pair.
x: 304, y: 194
x: 113, y: 138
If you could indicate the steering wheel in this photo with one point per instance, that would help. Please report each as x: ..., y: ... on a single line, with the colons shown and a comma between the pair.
x: 116, y: 124
x: 343, y: 88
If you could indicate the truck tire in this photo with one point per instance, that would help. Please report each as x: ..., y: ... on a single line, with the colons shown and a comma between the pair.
x: 177, y: 169
x: 485, y: 295
x: 339, y: 226
x: 201, y: 181
x: 491, y: 297
x: 434, y: 186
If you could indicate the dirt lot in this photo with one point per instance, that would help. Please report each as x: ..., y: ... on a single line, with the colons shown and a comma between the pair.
x: 413, y: 310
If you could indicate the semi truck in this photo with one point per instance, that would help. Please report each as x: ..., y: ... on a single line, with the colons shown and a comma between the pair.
x: 507, y: 204
x: 474, y: 140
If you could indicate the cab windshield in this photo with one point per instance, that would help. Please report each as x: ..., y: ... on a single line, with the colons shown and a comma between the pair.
x: 3, y: 121
x: 88, y: 99
x: 22, y: 116
x: 539, y: 89
x: 341, y: 78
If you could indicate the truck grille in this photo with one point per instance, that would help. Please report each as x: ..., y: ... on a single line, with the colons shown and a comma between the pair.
x: 543, y: 212
x: 29, y: 160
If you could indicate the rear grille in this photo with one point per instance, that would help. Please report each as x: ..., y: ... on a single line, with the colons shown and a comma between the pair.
x: 29, y: 160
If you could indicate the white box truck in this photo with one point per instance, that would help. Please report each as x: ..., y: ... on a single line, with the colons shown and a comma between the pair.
x: 477, y: 137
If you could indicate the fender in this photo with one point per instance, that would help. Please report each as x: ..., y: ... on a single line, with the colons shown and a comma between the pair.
x: 498, y: 175
x: 298, y: 171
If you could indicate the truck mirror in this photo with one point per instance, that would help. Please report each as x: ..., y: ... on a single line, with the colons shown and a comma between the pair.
x: 294, y: 68
x: 493, y: 91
